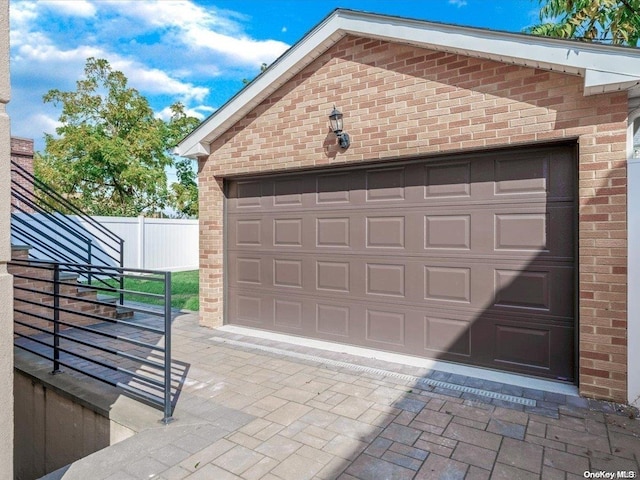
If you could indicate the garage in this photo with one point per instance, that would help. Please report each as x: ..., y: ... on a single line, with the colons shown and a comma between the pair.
x: 474, y: 205
x: 467, y: 258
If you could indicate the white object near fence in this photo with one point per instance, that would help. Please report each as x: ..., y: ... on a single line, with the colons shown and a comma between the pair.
x: 150, y: 243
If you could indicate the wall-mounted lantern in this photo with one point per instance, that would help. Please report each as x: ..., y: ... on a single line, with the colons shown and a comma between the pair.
x: 336, y: 125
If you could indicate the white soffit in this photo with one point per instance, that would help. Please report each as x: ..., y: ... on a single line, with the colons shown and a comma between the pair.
x: 605, y: 68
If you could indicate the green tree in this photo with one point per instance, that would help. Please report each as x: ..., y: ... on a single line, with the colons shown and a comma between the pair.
x: 183, y: 197
x: 263, y: 67
x: 184, y: 192
x: 110, y: 152
x: 610, y: 21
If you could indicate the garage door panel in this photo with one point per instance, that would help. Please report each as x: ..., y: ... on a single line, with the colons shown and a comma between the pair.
x: 445, y: 335
x: 523, y: 345
x: 447, y: 283
x: 248, y: 231
x: 522, y: 289
x: 518, y: 177
x: 531, y: 232
x: 385, y: 327
x: 521, y: 175
x: 464, y: 336
x: 467, y: 259
x: 538, y: 289
x: 521, y: 231
x: 288, y: 191
x: 446, y: 180
x: 333, y: 189
x: 533, y: 348
x: 247, y: 309
x: 386, y: 184
x: 246, y: 195
x: 505, y: 288
x: 334, y: 231
x: 447, y: 232
x: 287, y: 314
x: 248, y: 270
x: 333, y: 320
x: 562, y: 178
x: 333, y: 276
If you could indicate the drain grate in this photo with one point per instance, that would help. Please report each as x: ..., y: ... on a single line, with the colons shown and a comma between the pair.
x: 385, y: 373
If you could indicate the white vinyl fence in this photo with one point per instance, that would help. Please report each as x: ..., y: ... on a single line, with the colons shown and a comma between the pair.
x: 150, y: 243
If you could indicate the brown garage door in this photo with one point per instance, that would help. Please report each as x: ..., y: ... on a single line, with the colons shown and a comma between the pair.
x: 468, y: 259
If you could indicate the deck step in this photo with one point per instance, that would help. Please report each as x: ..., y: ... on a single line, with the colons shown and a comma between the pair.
x: 122, y: 312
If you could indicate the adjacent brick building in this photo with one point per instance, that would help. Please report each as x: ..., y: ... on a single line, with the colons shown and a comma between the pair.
x: 22, y: 155
x: 477, y: 158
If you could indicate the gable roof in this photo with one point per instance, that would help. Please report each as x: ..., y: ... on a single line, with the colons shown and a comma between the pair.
x: 605, y: 68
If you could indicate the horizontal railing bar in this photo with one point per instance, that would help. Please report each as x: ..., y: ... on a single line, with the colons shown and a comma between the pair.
x: 32, y: 314
x: 132, y: 341
x: 97, y: 317
x: 97, y: 267
x: 87, y: 300
x: 138, y: 343
x: 155, y: 401
x: 79, y: 285
x: 93, y: 287
x: 99, y: 362
x: 28, y: 325
x: 128, y: 306
x: 113, y: 351
x: 126, y: 272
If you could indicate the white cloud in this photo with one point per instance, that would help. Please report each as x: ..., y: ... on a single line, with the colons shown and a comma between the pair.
x: 243, y: 49
x: 200, y: 112
x: 198, y: 28
x: 70, y: 62
x: 44, y: 51
x: 25, y: 126
x: 77, y: 8
x: 169, y: 50
x: 153, y: 80
x: 22, y: 12
x: 458, y: 3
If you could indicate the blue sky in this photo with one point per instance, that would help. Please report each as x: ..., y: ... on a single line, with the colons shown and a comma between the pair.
x: 196, y: 51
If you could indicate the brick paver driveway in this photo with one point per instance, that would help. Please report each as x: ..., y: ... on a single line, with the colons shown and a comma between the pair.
x: 254, y: 409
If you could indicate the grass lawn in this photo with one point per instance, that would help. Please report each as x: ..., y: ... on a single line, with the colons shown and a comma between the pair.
x: 184, y: 290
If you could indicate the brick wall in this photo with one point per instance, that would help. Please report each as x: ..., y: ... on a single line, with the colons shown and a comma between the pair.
x: 402, y: 101
x: 22, y: 154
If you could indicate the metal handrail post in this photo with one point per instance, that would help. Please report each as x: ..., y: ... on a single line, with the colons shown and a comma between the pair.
x: 122, y: 276
x: 167, y: 349
x: 56, y: 318
x: 89, y: 254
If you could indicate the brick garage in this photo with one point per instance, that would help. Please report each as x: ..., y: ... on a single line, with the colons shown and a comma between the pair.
x: 424, y: 100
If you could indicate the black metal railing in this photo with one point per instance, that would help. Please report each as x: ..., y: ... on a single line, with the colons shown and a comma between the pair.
x: 59, y: 319
x: 36, y: 221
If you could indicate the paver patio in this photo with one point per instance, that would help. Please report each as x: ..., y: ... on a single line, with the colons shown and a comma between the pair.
x: 248, y: 412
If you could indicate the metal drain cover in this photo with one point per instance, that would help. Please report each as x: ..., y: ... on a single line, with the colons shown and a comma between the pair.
x: 377, y: 371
